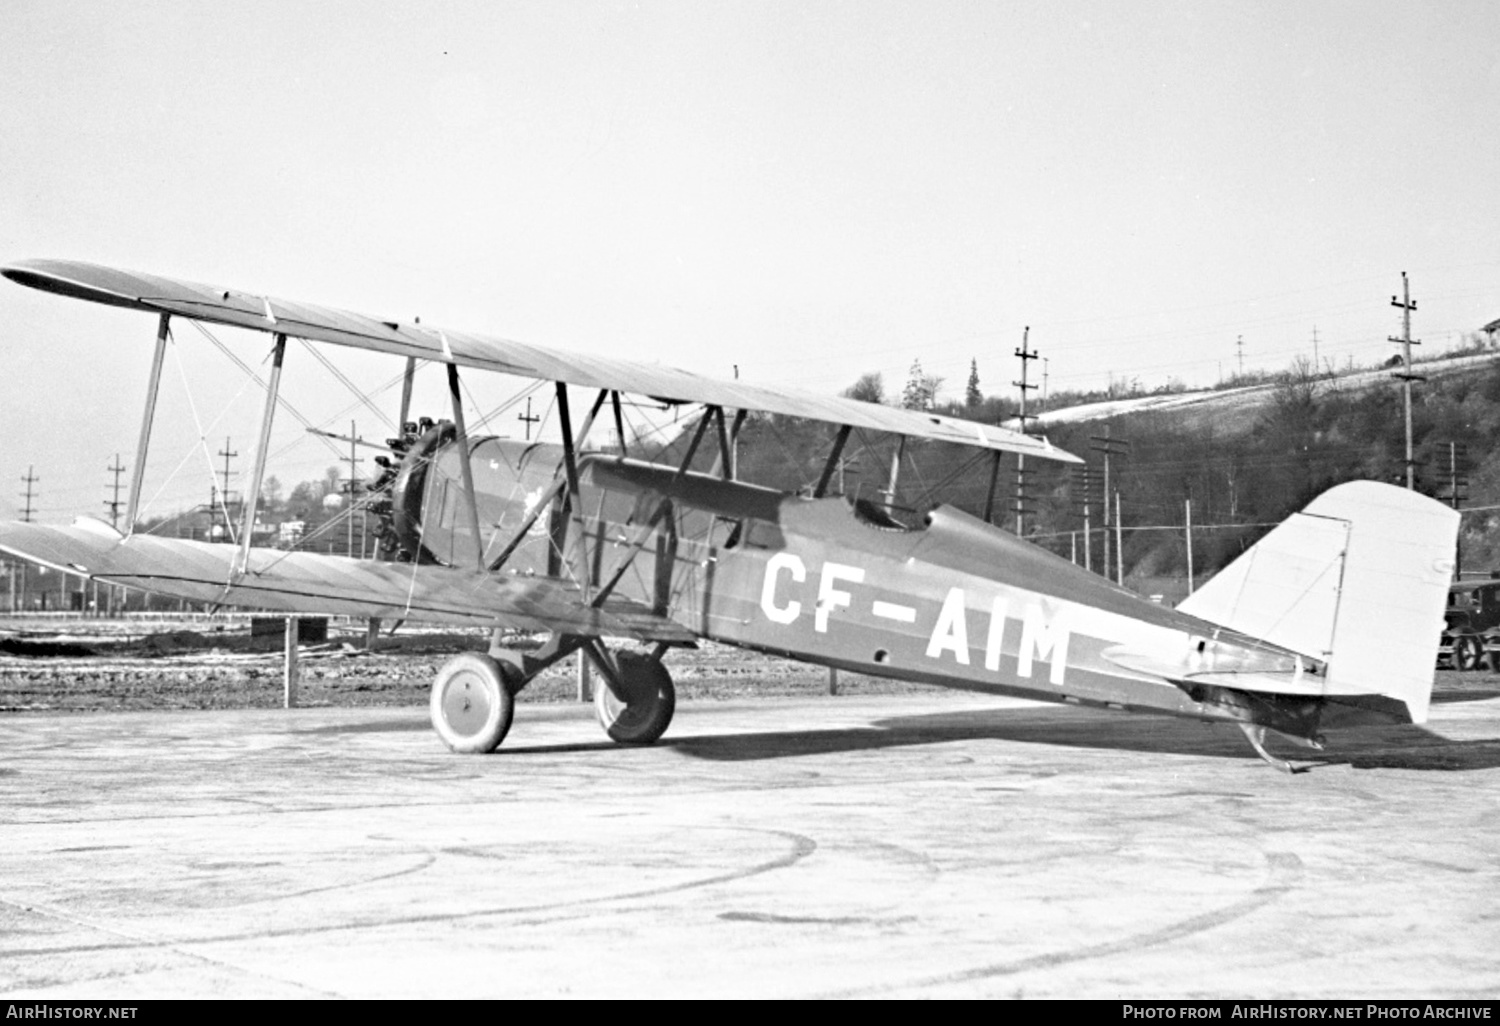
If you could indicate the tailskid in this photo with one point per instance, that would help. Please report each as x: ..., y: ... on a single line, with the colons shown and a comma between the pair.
x: 1256, y: 735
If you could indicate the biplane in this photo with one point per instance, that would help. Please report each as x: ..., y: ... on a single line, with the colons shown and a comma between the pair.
x: 1331, y: 619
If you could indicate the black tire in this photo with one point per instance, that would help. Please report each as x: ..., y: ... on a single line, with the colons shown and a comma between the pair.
x: 1468, y: 653
x: 473, y: 701
x: 652, y: 700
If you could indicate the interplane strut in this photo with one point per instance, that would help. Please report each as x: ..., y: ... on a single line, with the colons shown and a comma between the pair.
x: 153, y: 387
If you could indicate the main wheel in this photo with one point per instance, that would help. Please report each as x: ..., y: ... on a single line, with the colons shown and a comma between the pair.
x: 1467, y: 653
x: 473, y: 700
x: 651, y: 701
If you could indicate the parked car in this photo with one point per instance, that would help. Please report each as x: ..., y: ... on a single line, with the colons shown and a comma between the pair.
x: 1471, y: 632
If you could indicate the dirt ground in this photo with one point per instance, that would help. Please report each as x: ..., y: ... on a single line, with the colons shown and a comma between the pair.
x: 119, y: 665
x: 62, y: 665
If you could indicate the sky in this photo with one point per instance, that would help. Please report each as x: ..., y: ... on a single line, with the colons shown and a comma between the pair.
x: 804, y: 191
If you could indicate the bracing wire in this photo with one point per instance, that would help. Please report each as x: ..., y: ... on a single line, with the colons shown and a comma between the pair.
x: 281, y: 400
x: 202, y: 436
x: 361, y: 397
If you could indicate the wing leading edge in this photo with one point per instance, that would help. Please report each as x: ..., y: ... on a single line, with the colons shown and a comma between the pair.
x: 305, y: 582
x: 115, y: 287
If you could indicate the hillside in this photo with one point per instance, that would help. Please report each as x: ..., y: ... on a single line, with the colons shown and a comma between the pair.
x: 1239, y: 405
x: 1245, y: 457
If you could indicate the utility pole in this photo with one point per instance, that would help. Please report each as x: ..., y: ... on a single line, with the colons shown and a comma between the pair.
x: 1187, y: 521
x: 1406, y: 376
x: 528, y: 419
x: 1083, y: 478
x: 224, y: 492
x: 116, y: 468
x: 1453, y: 465
x: 1239, y: 345
x: 30, y: 479
x: 1026, y: 354
x: 1316, y: 368
x: 351, y: 459
x: 1119, y: 544
x: 1109, y: 446
x: 114, y: 504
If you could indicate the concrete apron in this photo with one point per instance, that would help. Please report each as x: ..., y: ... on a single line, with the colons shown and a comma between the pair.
x: 943, y: 845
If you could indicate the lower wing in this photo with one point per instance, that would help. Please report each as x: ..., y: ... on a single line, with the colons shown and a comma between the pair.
x: 305, y: 582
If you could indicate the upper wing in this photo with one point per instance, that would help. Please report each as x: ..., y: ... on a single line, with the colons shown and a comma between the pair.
x: 304, y: 582
x: 262, y: 313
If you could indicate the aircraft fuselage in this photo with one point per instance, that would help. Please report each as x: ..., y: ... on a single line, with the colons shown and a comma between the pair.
x: 956, y: 602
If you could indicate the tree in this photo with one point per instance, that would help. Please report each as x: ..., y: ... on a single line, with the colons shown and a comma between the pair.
x: 972, y: 396
x: 870, y: 388
x: 921, y: 389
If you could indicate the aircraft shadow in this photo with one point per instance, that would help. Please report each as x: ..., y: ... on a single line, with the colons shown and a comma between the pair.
x: 1394, y: 747
x: 1402, y: 747
x: 1469, y: 695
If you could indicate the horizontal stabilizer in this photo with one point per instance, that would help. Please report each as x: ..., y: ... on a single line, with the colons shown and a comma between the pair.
x: 1291, y: 681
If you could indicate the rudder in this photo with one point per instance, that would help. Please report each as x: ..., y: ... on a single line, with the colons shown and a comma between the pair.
x: 1358, y: 579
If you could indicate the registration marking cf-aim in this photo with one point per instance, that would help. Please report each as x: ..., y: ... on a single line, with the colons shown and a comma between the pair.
x: 1045, y: 632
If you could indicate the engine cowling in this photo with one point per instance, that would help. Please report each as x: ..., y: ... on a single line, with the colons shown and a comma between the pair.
x: 429, y: 521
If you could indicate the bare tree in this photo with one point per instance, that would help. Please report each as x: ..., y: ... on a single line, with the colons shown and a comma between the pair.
x: 870, y: 388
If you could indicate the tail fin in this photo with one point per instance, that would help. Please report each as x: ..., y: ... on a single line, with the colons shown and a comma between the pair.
x: 1358, y: 579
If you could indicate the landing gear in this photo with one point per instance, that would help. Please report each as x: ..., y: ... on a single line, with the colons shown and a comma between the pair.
x: 474, y: 695
x: 636, y: 703
x: 473, y: 700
